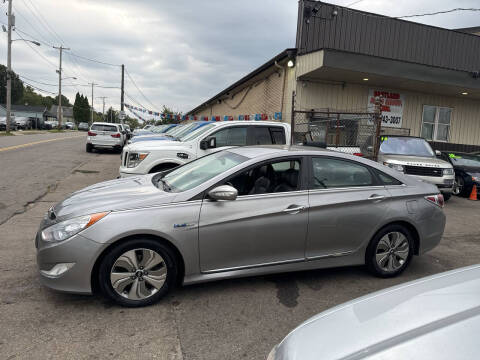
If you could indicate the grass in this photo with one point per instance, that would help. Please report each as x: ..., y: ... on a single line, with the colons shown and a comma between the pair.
x: 3, y: 133
x: 56, y: 131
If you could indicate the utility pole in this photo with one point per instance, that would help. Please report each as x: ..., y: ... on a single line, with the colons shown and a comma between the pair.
x: 59, y: 71
x: 9, y: 66
x: 91, y: 109
x: 123, y: 87
x: 103, y: 110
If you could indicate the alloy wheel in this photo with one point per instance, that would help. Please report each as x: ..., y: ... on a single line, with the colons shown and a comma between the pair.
x: 457, y: 186
x: 138, y: 274
x: 392, y: 251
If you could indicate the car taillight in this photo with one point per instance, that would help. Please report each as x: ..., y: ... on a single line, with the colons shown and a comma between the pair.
x: 358, y: 154
x: 91, y: 133
x: 437, y: 199
x: 117, y: 135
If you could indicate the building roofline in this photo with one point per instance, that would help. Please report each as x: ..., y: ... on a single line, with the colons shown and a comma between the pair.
x: 367, y: 13
x: 287, y: 53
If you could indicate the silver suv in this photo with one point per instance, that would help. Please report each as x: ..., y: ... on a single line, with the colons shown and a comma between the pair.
x: 413, y: 156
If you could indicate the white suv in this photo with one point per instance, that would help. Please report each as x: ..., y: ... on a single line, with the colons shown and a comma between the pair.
x: 105, y: 136
x: 153, y: 156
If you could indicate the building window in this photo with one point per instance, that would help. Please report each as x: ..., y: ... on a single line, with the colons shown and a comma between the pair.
x: 436, y: 122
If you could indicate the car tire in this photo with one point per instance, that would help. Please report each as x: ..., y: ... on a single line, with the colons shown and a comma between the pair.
x: 446, y: 196
x: 390, y: 251
x: 139, y: 289
x: 89, y: 148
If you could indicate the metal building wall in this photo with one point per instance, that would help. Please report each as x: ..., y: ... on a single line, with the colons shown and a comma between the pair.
x: 465, y: 121
x: 376, y: 35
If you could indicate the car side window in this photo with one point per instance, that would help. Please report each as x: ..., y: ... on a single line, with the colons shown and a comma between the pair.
x: 262, y: 135
x: 278, y: 135
x: 336, y: 173
x: 234, y: 136
x: 387, y: 179
x: 273, y: 177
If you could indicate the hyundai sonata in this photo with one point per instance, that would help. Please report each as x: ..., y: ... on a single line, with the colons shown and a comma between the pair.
x: 238, y: 212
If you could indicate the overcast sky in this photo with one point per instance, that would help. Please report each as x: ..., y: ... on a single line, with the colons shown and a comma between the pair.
x: 179, y: 53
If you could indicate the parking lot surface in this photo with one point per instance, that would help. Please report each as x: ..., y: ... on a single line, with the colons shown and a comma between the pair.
x: 231, y: 319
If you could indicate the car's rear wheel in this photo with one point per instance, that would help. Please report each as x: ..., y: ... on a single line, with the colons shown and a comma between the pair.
x: 390, y: 251
x: 137, y: 273
x: 89, y: 148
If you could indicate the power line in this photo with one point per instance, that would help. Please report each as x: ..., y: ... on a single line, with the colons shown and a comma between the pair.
x: 140, y: 91
x: 38, y: 52
x: 39, y: 89
x: 34, y: 28
x: 353, y: 3
x: 93, y: 60
x: 42, y: 20
x: 36, y: 81
x: 439, y: 12
x: 134, y: 100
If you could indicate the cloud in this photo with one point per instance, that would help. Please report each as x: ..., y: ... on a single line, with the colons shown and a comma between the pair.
x: 179, y: 53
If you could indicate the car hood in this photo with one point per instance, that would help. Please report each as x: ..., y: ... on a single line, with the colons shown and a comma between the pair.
x: 119, y: 194
x: 155, y: 145
x: 150, y: 137
x: 416, y: 161
x: 434, y: 315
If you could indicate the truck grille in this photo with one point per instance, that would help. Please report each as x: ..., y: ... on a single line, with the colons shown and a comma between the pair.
x: 423, y: 171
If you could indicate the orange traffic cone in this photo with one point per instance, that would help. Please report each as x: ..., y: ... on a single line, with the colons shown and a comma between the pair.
x: 473, y: 194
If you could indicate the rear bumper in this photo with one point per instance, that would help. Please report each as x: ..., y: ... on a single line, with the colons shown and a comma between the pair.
x: 431, y: 230
x: 105, y: 143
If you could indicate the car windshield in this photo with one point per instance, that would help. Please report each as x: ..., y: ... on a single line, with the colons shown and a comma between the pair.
x: 102, y: 127
x: 196, y: 133
x: 174, y: 130
x: 464, y: 160
x: 405, y: 146
x: 158, y: 129
x: 194, y: 173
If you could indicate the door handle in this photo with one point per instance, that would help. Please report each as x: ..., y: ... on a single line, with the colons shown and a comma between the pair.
x: 294, y: 210
x: 376, y: 197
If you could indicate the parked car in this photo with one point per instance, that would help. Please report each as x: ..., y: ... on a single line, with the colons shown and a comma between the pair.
x: 436, y: 317
x: 414, y: 156
x: 3, y: 124
x: 151, y: 129
x: 69, y: 125
x: 467, y: 171
x: 239, y: 212
x: 23, y: 123
x: 83, y: 126
x: 154, y: 156
x: 176, y: 134
x: 105, y: 136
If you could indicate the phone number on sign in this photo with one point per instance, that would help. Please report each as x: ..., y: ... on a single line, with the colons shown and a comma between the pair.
x: 388, y: 119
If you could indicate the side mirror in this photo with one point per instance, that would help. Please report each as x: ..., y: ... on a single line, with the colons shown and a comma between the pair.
x: 223, y: 192
x: 208, y: 143
x: 438, y: 153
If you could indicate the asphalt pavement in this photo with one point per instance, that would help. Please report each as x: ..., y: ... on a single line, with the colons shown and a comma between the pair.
x: 230, y: 319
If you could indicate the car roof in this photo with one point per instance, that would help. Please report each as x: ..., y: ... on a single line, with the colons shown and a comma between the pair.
x: 425, y: 317
x: 259, y: 150
x: 104, y: 123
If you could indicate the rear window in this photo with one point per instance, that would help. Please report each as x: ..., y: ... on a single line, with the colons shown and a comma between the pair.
x: 101, y: 127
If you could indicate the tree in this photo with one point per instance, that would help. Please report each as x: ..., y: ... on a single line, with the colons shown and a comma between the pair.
x: 17, y: 86
x: 65, y: 101
x: 132, y: 122
x: 111, y: 115
x: 169, y: 119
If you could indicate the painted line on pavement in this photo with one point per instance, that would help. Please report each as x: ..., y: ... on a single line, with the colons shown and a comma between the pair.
x: 37, y: 142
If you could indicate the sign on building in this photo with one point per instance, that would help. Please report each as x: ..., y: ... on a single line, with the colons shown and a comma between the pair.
x: 392, y: 107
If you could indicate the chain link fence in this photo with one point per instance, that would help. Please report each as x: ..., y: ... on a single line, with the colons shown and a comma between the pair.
x: 348, y: 132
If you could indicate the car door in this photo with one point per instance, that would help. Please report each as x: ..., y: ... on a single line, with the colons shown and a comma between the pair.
x: 265, y: 225
x: 347, y: 202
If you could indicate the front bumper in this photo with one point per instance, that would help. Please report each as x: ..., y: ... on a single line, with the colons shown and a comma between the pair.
x: 444, y: 183
x: 79, y: 251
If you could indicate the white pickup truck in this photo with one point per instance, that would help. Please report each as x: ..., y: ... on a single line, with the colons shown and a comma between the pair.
x: 154, y: 156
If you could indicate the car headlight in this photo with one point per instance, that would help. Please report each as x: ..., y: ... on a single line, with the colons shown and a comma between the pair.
x: 66, y: 229
x: 135, y: 158
x: 448, y: 171
x: 397, y: 167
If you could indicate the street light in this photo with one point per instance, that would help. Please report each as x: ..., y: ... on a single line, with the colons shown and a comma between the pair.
x: 70, y: 77
x: 30, y: 41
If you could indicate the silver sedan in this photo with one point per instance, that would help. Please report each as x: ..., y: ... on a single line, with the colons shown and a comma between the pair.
x: 239, y: 212
x: 437, y: 317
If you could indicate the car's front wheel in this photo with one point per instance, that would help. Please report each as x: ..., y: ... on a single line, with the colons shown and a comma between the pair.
x: 390, y: 251
x: 138, y: 272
